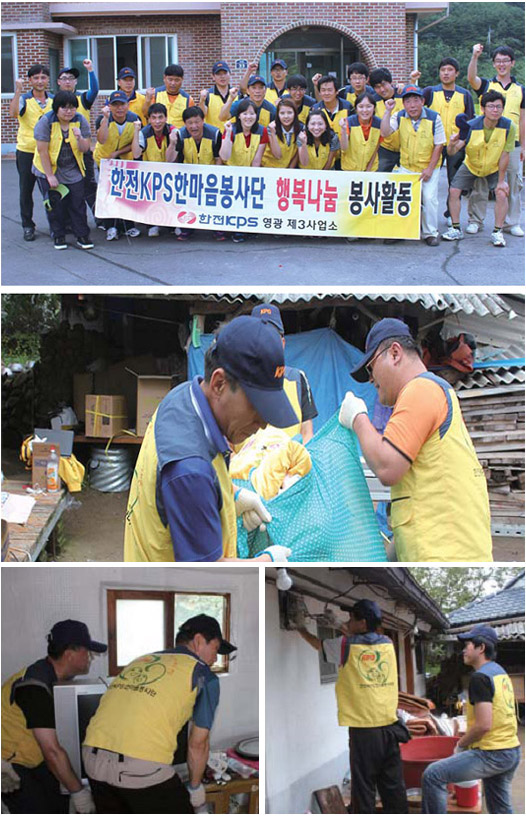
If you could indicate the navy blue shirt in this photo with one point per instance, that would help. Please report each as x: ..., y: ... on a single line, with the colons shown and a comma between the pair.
x: 207, y: 683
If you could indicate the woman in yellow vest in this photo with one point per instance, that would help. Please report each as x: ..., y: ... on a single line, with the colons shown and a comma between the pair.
x: 62, y: 138
x: 318, y: 144
x: 244, y: 143
x: 360, y: 136
x: 490, y: 747
x: 367, y: 697
x: 283, y: 132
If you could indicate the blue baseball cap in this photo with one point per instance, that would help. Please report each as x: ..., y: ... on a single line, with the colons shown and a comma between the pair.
x: 72, y: 70
x: 279, y: 62
x: 74, y: 633
x: 411, y: 89
x: 386, y: 328
x: 480, y: 632
x: 269, y: 312
x: 366, y: 609
x: 126, y: 72
x: 219, y: 65
x: 252, y: 352
x: 256, y: 79
x: 119, y: 96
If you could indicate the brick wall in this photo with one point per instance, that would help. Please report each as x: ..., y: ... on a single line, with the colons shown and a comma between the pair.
x: 25, y: 12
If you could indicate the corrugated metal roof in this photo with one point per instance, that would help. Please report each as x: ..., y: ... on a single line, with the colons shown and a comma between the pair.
x: 491, y: 378
x: 511, y: 632
x: 471, y: 304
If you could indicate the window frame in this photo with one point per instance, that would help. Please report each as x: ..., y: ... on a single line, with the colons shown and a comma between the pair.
x: 14, y: 49
x: 141, y: 81
x: 168, y: 598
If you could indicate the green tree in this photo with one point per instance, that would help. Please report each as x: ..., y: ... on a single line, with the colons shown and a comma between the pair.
x: 25, y: 318
x: 454, y: 587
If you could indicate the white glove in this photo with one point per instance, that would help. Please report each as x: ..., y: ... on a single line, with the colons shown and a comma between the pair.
x: 351, y: 407
x: 10, y: 779
x: 82, y: 802
x: 278, y: 553
x: 197, y: 795
x: 249, y: 504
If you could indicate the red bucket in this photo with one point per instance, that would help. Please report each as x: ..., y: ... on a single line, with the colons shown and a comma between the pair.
x: 467, y: 794
x: 419, y: 752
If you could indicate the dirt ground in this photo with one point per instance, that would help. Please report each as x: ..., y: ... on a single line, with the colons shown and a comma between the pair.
x: 92, y: 528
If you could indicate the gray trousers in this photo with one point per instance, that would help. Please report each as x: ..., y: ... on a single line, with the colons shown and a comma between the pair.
x: 478, y: 200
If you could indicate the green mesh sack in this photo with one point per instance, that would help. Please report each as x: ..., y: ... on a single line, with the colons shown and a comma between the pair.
x: 328, y: 515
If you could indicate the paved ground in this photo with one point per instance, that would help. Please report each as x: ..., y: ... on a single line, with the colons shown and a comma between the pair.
x: 263, y: 260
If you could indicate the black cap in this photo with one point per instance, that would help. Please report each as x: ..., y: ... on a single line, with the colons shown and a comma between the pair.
x: 381, y: 331
x: 209, y: 628
x: 366, y: 609
x: 71, y: 69
x: 75, y: 633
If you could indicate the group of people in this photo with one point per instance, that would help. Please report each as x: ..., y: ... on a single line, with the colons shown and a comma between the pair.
x: 371, y: 124
x: 183, y: 506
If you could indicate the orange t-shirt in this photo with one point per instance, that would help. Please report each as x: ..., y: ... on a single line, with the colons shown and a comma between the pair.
x: 419, y: 411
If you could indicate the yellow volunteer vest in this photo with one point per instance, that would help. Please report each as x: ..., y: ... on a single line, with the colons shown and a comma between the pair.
x: 136, y: 106
x: 291, y: 389
x: 145, y: 707
x: 18, y: 742
x: 203, y: 156
x: 482, y: 158
x: 392, y: 142
x: 214, y: 107
x: 82, y: 109
x: 25, y: 139
x: 145, y: 536
x: 153, y: 152
x: 503, y: 732
x: 448, y: 110
x: 243, y: 156
x: 358, y: 154
x: 287, y: 154
x: 440, y: 507
x: 273, y: 96
x: 55, y: 143
x: 114, y: 142
x: 334, y: 119
x: 416, y: 146
x: 318, y: 160
x: 513, y: 96
x: 367, y: 686
x: 176, y: 107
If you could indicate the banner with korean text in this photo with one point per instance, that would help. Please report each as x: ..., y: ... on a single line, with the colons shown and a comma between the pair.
x: 261, y: 200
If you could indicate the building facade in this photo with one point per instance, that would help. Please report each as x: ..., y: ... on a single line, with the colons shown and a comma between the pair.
x: 311, y: 37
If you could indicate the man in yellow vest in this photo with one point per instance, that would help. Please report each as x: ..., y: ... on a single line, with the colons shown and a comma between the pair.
x: 489, y: 140
x: 503, y: 58
x: 34, y: 764
x: 422, y: 139
x: 132, y: 738
x: 212, y: 100
x: 171, y: 94
x: 490, y: 748
x: 389, y: 151
x: 67, y: 80
x: 29, y: 107
x: 126, y: 81
x: 296, y: 383
x: 439, y: 496
x: 367, y: 697
x: 182, y: 504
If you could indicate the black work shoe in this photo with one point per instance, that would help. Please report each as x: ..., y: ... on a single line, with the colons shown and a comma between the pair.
x: 60, y: 243
x: 29, y: 235
x: 84, y: 242
x: 432, y: 241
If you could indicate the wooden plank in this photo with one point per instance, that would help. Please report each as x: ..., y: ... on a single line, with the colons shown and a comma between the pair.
x: 27, y: 541
x: 330, y: 801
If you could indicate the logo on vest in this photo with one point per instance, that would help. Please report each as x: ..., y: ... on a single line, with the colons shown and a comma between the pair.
x: 144, y: 671
x: 508, y: 694
x: 372, y: 667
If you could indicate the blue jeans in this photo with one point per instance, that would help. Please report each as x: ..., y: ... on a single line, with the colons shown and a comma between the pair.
x: 496, y: 768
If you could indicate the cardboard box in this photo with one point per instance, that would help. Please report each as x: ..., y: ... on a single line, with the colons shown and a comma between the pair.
x: 83, y: 385
x: 41, y: 454
x: 105, y: 415
x: 151, y: 390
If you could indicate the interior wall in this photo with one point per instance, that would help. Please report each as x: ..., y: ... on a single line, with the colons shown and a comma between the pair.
x: 35, y: 599
x: 305, y: 747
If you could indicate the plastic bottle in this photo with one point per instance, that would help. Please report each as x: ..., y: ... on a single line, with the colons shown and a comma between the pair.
x: 52, y: 478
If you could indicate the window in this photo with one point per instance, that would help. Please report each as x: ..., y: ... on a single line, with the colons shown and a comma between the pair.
x: 142, y: 621
x: 328, y: 670
x: 147, y: 55
x: 9, y: 64
x: 54, y: 69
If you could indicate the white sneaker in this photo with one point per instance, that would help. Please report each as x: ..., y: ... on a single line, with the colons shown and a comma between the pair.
x: 153, y: 231
x: 472, y: 228
x: 497, y: 238
x: 449, y: 222
x: 516, y: 231
x: 133, y: 232
x: 453, y: 234
x: 112, y: 234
